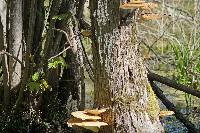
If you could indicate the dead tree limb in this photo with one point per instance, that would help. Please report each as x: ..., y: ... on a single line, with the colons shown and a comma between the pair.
x: 170, y: 106
x: 173, y: 84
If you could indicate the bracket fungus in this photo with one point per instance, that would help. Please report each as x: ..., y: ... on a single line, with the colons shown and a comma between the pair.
x: 138, y: 4
x: 149, y: 6
x: 143, y: 7
x: 136, y: 1
x: 131, y: 5
x: 165, y: 113
x: 95, y: 111
x: 83, y: 116
x: 150, y: 16
x: 87, y: 119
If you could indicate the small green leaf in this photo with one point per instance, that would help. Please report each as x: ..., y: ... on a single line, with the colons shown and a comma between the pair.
x: 61, y: 16
x: 57, y: 61
x: 44, y: 85
x: 35, y: 76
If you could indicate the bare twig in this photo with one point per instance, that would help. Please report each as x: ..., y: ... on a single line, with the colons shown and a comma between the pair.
x: 163, y: 34
x: 87, y: 63
x: 177, y: 9
x: 68, y: 41
x: 59, y: 53
x: 66, y: 35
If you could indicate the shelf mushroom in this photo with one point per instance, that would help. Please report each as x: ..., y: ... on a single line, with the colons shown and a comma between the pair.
x: 131, y: 5
x: 87, y: 119
x: 142, y: 6
x: 150, y: 16
x: 149, y: 6
x: 165, y: 113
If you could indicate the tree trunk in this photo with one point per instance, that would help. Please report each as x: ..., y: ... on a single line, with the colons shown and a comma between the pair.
x: 75, y: 57
x: 15, y: 40
x: 71, y: 83
x: 3, y: 45
x: 120, y: 76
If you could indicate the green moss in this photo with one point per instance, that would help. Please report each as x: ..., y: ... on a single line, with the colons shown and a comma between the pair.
x: 152, y: 107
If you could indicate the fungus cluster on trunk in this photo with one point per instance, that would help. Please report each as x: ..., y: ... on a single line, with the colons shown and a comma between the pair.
x: 89, y: 119
x: 145, y: 9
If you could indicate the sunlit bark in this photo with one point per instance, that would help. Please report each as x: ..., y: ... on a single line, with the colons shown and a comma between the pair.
x: 120, y: 76
x: 15, y: 42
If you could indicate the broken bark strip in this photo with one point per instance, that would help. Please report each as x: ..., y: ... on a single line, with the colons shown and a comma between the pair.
x: 173, y: 84
x: 170, y: 106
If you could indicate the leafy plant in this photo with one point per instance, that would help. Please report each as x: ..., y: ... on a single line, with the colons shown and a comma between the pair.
x: 61, y: 16
x: 55, y: 62
x: 37, y: 82
x: 186, y: 61
x: 181, y: 65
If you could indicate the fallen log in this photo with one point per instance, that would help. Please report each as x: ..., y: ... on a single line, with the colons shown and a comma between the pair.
x: 170, y: 106
x: 173, y: 84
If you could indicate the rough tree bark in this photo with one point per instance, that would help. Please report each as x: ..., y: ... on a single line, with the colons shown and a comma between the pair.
x: 120, y: 78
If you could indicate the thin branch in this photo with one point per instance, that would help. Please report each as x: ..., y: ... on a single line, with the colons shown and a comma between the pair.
x: 9, y: 54
x: 59, y: 53
x: 153, y: 51
x: 187, y: 14
x: 163, y: 34
x: 68, y: 41
x: 87, y: 63
x: 66, y: 35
